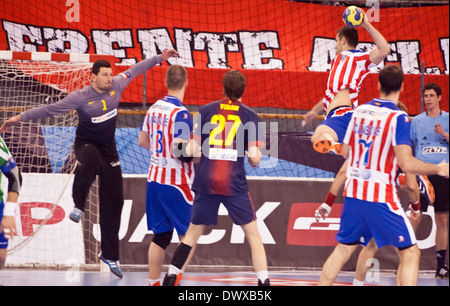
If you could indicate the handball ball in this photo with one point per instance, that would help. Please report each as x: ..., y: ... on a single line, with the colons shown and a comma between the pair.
x: 353, y: 16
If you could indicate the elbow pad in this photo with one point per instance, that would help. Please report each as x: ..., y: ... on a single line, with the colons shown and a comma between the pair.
x: 14, y: 180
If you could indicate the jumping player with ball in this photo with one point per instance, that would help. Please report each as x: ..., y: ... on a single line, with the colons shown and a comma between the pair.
x: 348, y: 70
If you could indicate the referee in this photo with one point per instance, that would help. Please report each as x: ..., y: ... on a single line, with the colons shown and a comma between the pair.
x: 95, y: 147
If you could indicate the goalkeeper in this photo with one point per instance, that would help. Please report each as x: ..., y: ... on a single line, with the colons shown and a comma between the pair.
x: 95, y: 147
x: 7, y: 210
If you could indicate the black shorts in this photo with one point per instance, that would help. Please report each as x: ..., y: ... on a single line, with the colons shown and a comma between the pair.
x: 206, y: 207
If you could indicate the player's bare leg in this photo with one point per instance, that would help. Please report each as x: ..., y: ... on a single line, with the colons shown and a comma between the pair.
x: 155, y: 260
x: 2, y: 258
x: 408, y: 270
x: 258, y: 252
x: 325, y: 140
x: 334, y: 263
x: 193, y: 234
x: 156, y: 257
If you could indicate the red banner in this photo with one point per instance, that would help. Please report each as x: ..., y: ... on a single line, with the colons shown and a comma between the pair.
x: 283, y: 47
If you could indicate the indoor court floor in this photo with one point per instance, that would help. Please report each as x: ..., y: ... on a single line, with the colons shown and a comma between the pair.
x: 198, y: 277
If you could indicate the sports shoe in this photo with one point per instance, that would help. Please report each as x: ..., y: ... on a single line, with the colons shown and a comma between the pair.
x: 76, y: 215
x: 426, y: 188
x: 265, y: 284
x: 328, y: 146
x: 442, y: 272
x: 172, y: 279
x: 113, y: 266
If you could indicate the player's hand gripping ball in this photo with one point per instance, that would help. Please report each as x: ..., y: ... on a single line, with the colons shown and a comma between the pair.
x: 353, y: 16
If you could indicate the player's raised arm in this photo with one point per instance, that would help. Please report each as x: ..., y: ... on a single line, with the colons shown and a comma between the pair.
x: 378, y: 54
x: 66, y: 104
x: 124, y: 78
x: 168, y: 53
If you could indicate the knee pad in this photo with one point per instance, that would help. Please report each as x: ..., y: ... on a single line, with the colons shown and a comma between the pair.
x: 163, y: 239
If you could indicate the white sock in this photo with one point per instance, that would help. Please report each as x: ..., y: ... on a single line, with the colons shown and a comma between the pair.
x: 151, y: 282
x: 174, y: 270
x: 262, y: 275
x: 357, y: 282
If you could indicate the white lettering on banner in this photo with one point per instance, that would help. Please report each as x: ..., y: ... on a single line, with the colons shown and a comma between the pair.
x: 257, y: 47
x: 59, y: 41
x: 254, y: 56
x: 333, y: 224
x: 305, y: 223
x: 120, y: 39
x: 215, y: 235
x: 404, y: 52
x: 237, y: 234
x: 59, y: 241
x: 219, y: 44
x: 444, y: 47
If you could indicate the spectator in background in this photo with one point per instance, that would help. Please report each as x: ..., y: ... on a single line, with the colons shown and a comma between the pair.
x: 430, y: 135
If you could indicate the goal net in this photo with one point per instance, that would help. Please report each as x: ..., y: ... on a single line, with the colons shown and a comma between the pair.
x: 43, y: 152
x: 284, y: 48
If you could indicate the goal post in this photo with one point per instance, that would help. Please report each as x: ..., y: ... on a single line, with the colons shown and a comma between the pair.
x: 43, y: 152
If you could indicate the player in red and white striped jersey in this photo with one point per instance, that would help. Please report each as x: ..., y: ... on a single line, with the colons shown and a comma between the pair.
x: 348, y: 70
x: 377, y: 141
x: 167, y: 126
x: 159, y: 124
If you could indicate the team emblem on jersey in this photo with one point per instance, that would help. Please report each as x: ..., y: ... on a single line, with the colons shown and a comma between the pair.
x: 125, y: 74
x: 342, y: 111
x: 366, y: 174
x: 112, y: 94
